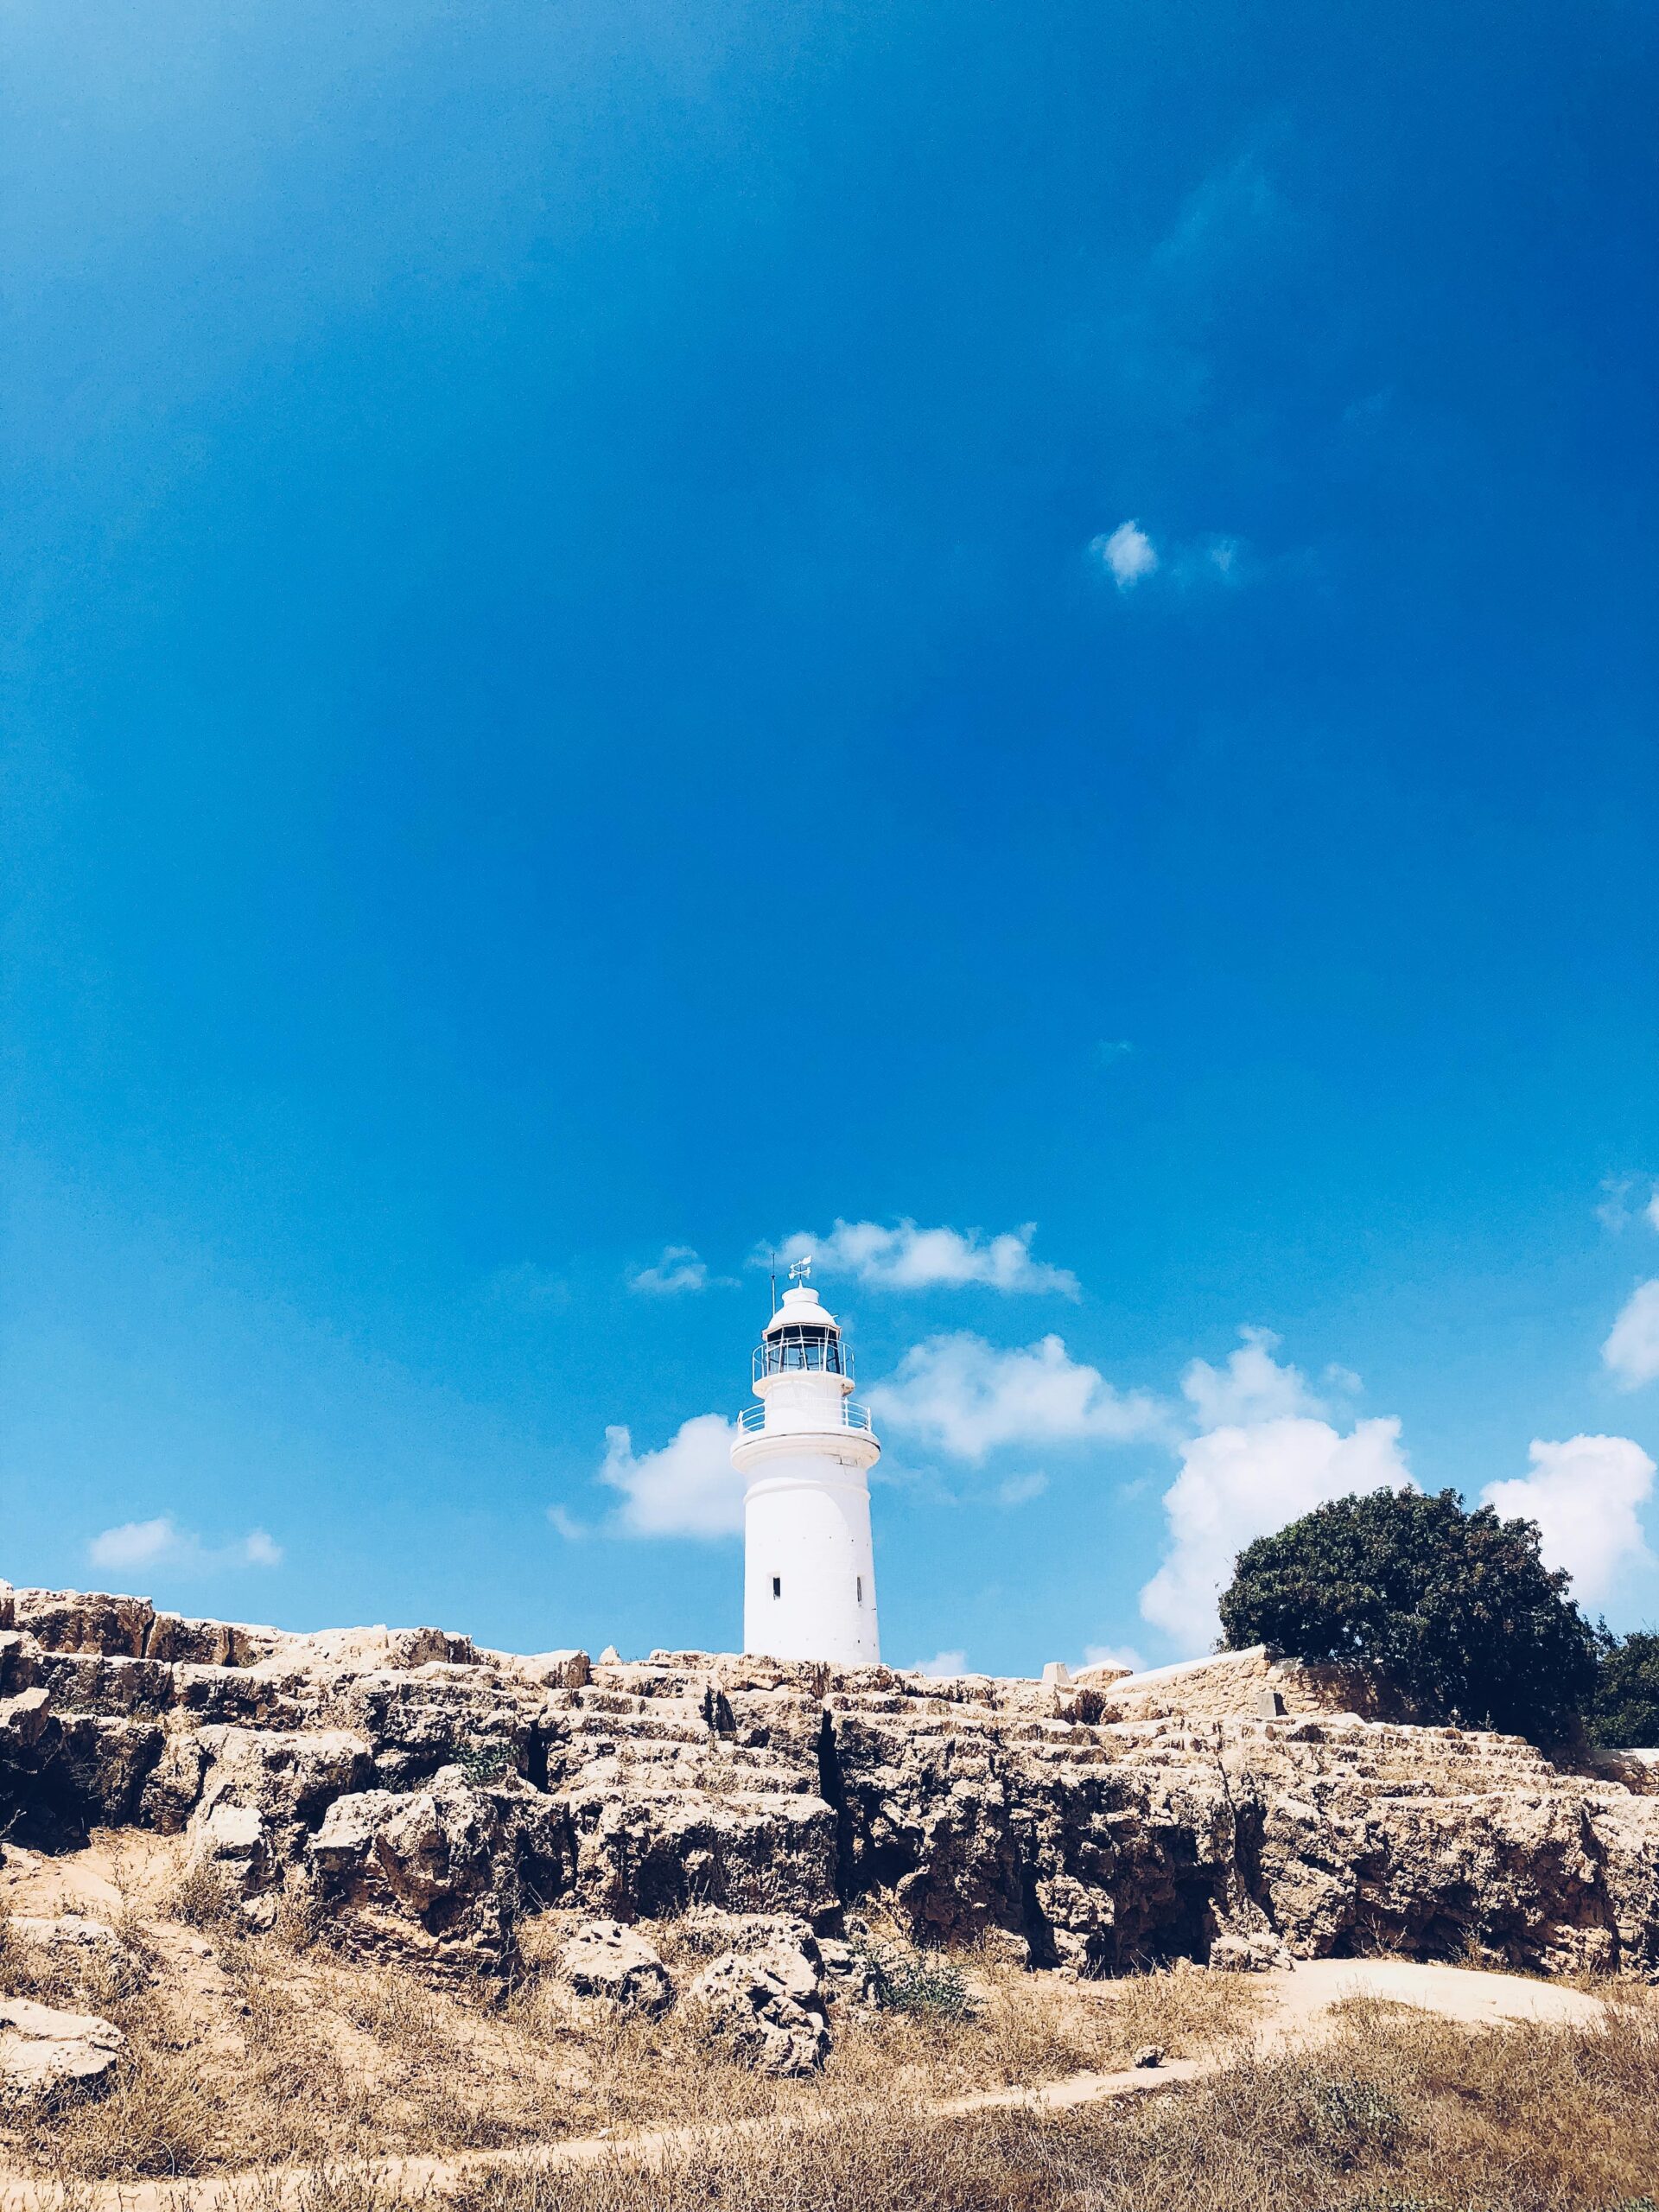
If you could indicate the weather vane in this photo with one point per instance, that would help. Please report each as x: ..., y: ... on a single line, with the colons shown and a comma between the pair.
x: 801, y: 1269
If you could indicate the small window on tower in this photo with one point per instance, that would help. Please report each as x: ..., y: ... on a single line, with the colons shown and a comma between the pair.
x: 777, y: 1586
x: 861, y: 1589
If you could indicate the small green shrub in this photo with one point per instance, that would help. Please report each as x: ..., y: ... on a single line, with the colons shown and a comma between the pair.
x: 1625, y: 1710
x: 484, y: 1760
x: 902, y: 1978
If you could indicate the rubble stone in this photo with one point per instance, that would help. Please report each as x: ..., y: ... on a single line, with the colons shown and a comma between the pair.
x: 605, y: 1959
x: 765, y: 2006
x: 48, y: 2057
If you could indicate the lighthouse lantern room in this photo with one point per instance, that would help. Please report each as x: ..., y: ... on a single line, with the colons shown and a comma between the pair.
x: 809, y: 1572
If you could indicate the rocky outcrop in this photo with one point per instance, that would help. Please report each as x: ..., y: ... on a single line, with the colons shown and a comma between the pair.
x: 614, y: 1964
x: 766, y: 2001
x: 422, y: 1795
x: 51, y: 2057
x: 440, y: 1873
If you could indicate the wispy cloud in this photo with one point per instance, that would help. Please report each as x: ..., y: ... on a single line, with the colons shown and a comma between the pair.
x: 572, y: 1531
x: 1625, y: 1198
x: 1130, y: 557
x: 942, y: 1663
x: 1585, y: 1495
x: 527, y: 1285
x: 968, y: 1398
x: 678, y: 1269
x: 1265, y: 1456
x: 1112, y: 1655
x: 689, y: 1488
x: 1630, y: 1354
x: 1227, y: 217
x: 136, y: 1545
x: 906, y: 1257
x: 1019, y: 1490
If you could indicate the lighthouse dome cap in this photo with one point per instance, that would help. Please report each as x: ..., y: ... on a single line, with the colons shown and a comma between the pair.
x: 800, y: 1308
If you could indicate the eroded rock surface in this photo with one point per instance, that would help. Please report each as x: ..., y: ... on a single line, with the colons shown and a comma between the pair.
x: 766, y: 2003
x: 615, y: 1964
x: 48, y: 2057
x: 425, y: 1794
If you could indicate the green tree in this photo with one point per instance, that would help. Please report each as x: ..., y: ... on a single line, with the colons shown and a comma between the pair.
x: 1625, y: 1710
x: 1458, y: 1607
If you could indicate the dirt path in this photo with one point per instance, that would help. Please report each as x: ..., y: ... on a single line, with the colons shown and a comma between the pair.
x: 1300, y: 2003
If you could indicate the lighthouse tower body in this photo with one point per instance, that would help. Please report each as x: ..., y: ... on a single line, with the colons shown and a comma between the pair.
x: 808, y: 1571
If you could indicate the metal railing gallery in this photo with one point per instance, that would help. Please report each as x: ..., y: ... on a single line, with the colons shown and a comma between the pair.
x: 846, y: 1415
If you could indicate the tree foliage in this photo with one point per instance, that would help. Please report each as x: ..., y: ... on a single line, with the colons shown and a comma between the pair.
x: 1458, y: 1607
x: 1625, y: 1712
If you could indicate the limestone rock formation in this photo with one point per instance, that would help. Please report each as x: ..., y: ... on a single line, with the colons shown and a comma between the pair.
x: 766, y: 2003
x: 48, y: 2057
x: 423, y: 1795
x: 606, y: 1960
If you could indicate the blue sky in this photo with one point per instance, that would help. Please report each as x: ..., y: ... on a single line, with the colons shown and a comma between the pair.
x: 646, y: 630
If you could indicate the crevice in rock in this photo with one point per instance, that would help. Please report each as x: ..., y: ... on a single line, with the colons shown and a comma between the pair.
x: 832, y: 1788
x: 534, y: 1769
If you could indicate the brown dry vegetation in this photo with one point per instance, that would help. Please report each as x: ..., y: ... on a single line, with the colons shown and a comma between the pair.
x: 255, y: 2051
x: 249, y: 2052
x: 1398, y: 2113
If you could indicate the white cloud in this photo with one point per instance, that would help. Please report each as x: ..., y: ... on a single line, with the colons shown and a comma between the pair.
x: 1252, y: 1387
x: 1265, y: 1457
x: 1019, y: 1490
x: 905, y: 1257
x: 1632, y: 1352
x: 966, y: 1396
x: 679, y: 1268
x: 568, y: 1527
x: 1651, y: 1210
x: 1127, y: 553
x: 687, y: 1489
x: 1112, y: 1655
x: 1584, y: 1494
x: 162, y: 1543
x: 1129, y: 556
x: 942, y: 1663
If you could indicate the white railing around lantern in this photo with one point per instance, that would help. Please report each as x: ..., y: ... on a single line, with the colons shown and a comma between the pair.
x: 753, y: 1418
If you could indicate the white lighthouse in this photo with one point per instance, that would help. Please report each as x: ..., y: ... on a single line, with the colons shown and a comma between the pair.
x: 809, y: 1573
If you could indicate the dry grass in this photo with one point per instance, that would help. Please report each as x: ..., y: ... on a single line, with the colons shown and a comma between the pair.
x: 249, y: 2052
x: 1397, y: 2114
x: 254, y: 2050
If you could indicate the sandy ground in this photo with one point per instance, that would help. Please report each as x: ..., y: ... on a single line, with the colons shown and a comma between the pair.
x: 1298, y: 2010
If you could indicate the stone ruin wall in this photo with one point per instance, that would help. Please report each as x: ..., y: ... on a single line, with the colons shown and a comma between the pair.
x: 421, y: 1797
